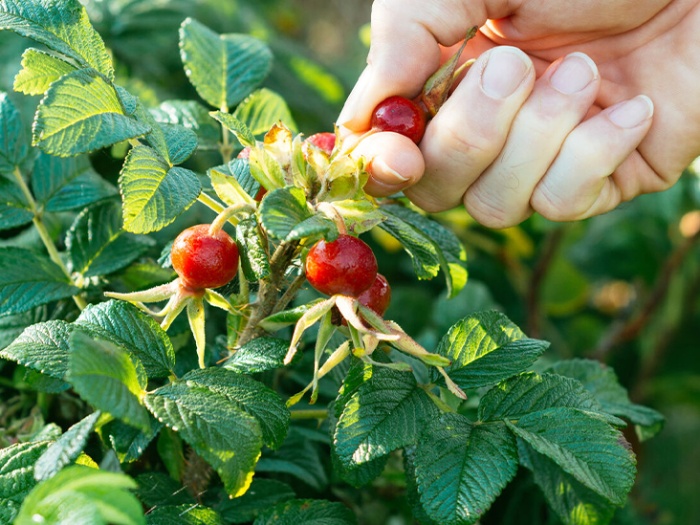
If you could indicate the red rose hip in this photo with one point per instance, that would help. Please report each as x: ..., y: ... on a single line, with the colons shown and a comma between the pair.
x: 400, y: 115
x: 378, y: 296
x: 202, y: 260
x: 345, y: 266
x: 324, y: 141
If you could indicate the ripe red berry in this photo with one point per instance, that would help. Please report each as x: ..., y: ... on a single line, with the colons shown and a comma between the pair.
x: 400, y: 115
x: 324, y: 141
x: 202, y: 260
x: 378, y: 296
x: 345, y: 266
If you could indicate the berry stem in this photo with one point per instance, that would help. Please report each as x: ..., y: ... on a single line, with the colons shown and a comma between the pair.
x: 227, y: 215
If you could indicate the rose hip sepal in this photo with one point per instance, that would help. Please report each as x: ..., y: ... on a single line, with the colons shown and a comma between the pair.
x: 203, y: 259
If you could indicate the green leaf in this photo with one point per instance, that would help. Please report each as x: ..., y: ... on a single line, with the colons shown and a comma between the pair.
x: 387, y: 412
x: 228, y: 188
x: 39, y: 70
x: 601, y: 381
x: 63, y: 184
x: 585, y: 447
x: 450, y: 251
x: 532, y: 392
x: 224, y: 69
x: 359, y: 215
x: 81, y: 112
x: 253, y: 253
x: 191, y: 115
x: 235, y: 126
x: 263, y: 109
x: 426, y: 262
x: 486, y: 348
x: 105, y: 376
x: 12, y: 326
x: 80, y: 494
x: 13, y: 140
x: 14, y: 210
x: 225, y: 436
x: 129, y: 443
x: 65, y: 449
x: 153, y: 193
x: 97, y: 244
x: 250, y: 395
x: 574, y: 503
x: 42, y: 347
x: 61, y: 25
x: 308, y: 512
x: 289, y: 317
x: 461, y: 468
x: 183, y: 515
x: 263, y: 494
x: 17, y: 476
x: 315, y: 226
x: 130, y: 328
x: 258, y: 355
x: 27, y: 279
x: 180, y: 142
x: 283, y: 209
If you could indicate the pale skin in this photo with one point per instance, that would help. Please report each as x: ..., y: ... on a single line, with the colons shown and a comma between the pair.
x: 571, y: 108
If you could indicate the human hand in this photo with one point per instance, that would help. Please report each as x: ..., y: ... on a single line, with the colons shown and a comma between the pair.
x: 535, y: 125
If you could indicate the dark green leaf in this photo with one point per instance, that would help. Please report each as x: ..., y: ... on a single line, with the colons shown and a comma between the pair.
x: 128, y: 442
x: 461, y: 468
x: 263, y: 109
x: 299, y: 457
x: 42, y: 347
x: 183, y: 515
x: 13, y: 140
x: 190, y: 115
x: 224, y: 69
x: 11, y: 326
x: 254, y: 257
x: 426, y: 262
x: 158, y: 489
x: 316, y: 225
x: 282, y: 210
x: 308, y: 512
x: 39, y: 70
x: 259, y: 355
x: 28, y: 279
x: 14, y: 210
x: 262, y: 494
x: 235, y: 126
x: 17, y: 476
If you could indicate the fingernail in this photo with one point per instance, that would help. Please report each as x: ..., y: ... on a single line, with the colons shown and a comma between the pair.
x: 505, y: 71
x: 574, y: 73
x: 382, y: 173
x: 633, y: 112
x: 348, y: 114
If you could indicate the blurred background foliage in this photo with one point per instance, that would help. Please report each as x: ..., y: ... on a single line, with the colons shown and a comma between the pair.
x: 623, y: 288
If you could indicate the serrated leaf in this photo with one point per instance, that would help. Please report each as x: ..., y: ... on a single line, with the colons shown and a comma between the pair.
x: 183, y: 515
x: 485, y: 348
x: 180, y: 141
x: 308, y: 512
x: 13, y: 140
x: 191, y: 115
x: 531, y: 392
x: 14, y: 210
x: 585, y: 447
x: 39, y: 70
x: 359, y: 215
x: 253, y: 253
x: 461, y: 468
x: 283, y: 209
x: 42, y: 347
x: 61, y: 25
x: 17, y: 475
x: 228, y: 188
x: 315, y: 226
x: 258, y: 355
x: 574, y: 503
x: 262, y: 109
x: 450, y: 251
x: 224, y: 69
x: 28, y: 279
x: 263, y: 494
x: 601, y: 381
x: 97, y: 244
x: 63, y: 184
x: 153, y: 193
x: 426, y: 262
x: 128, y: 442
x: 12, y: 326
x: 250, y: 395
x: 235, y: 126
x: 65, y: 449
x: 81, y: 112
x: 225, y: 436
x: 128, y: 327
x: 387, y: 412
x: 80, y: 494
x: 105, y: 376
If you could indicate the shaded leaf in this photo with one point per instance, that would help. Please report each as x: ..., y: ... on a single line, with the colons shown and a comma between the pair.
x: 253, y: 253
x: 183, y: 515
x: 14, y: 210
x: 424, y: 256
x: 263, y: 109
x: 17, y: 476
x: 262, y: 494
x: 282, y: 210
x: 13, y: 140
x: 258, y: 355
x: 190, y: 115
x: 308, y: 512
x: 42, y: 347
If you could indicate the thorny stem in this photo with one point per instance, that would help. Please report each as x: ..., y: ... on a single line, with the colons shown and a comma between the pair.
x: 45, y: 237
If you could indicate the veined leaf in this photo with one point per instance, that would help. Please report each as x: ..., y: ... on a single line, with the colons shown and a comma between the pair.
x: 179, y: 141
x: 235, y: 126
x: 39, y: 70
x: 17, y: 476
x: 486, y: 348
x: 387, y: 412
x: 183, y: 515
x: 585, y: 447
x: 61, y: 25
x: 130, y: 328
x: 224, y: 435
x: 262, y: 109
x: 12, y: 326
x: 27, y: 279
x: 282, y: 210
x: 450, y: 251
x: 14, y: 210
x: 460, y: 468
x: 106, y: 377
x: 316, y: 225
x: 190, y: 115
x: 98, y: 245
x: 263, y: 494
x: 63, y: 184
x: 426, y: 262
x: 42, y: 347
x: 254, y: 257
x: 81, y: 112
x: 224, y: 69
x: 13, y: 140
x: 308, y: 512
x: 153, y: 193
x: 228, y: 188
x: 65, y: 449
x: 128, y: 442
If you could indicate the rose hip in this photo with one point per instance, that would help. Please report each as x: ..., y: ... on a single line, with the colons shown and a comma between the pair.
x: 400, y: 115
x: 202, y: 260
